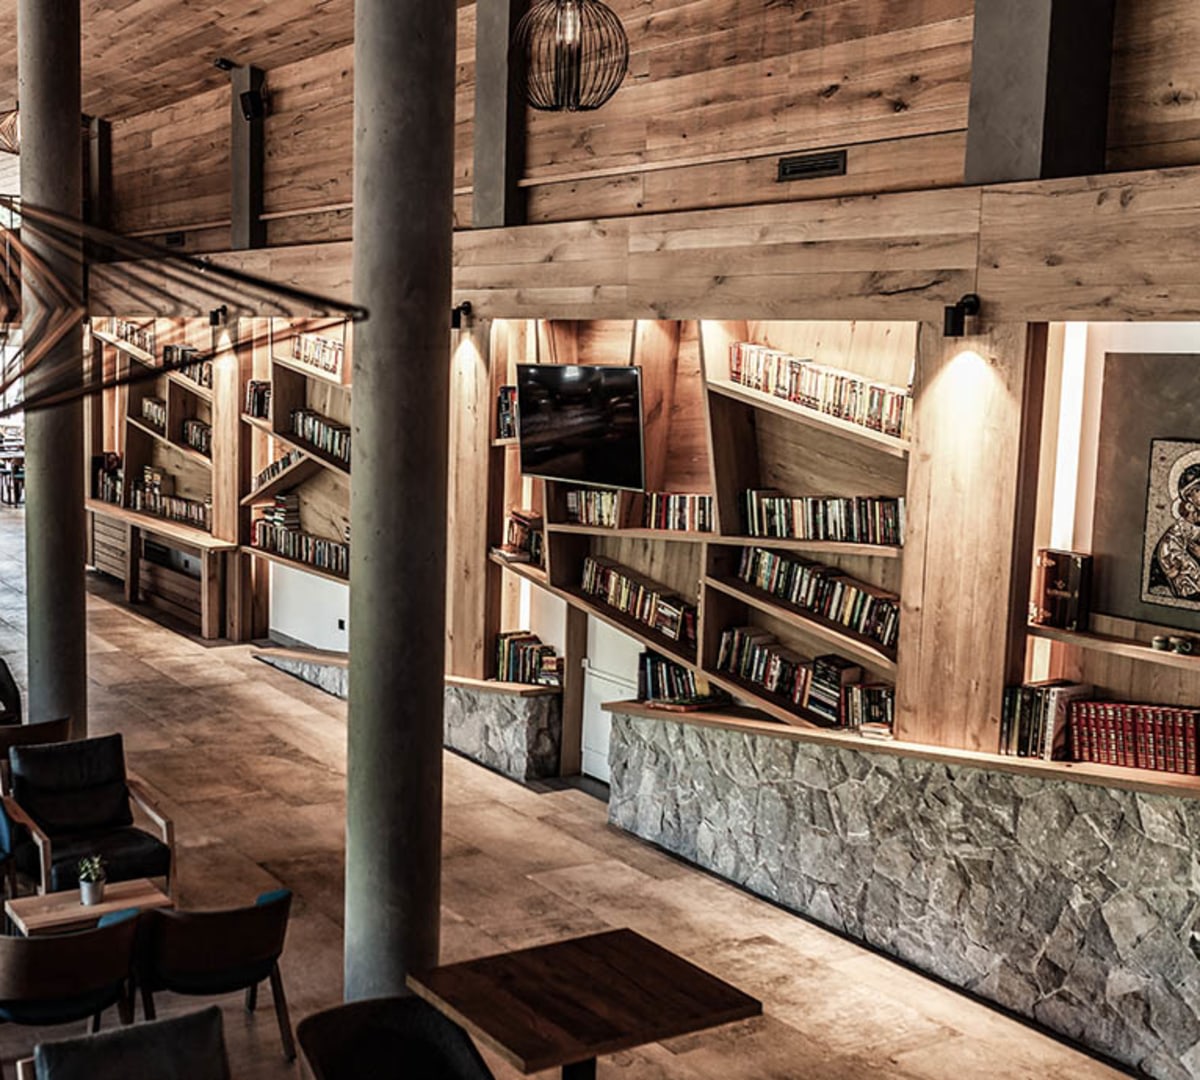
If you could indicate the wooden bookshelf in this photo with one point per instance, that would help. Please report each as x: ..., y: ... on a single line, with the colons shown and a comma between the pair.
x: 294, y: 564
x: 124, y: 346
x: 295, y: 474
x: 508, y: 689
x: 1112, y: 645
x: 678, y: 651
x: 190, y: 385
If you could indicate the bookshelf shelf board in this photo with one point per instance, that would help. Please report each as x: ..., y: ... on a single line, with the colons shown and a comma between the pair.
x: 125, y: 347
x: 858, y: 646
x: 529, y: 572
x: 888, y: 444
x: 189, y: 385
x: 146, y: 429
x: 331, y: 378
x: 498, y: 686
x: 164, y: 527
x: 295, y: 564
x: 261, y: 423
x: 639, y: 631
x: 505, y: 442
x: 666, y: 535
x: 294, y: 474
x: 322, y: 457
x: 1117, y: 646
x: 773, y: 704
x: 179, y: 448
x: 1144, y: 780
x: 815, y: 547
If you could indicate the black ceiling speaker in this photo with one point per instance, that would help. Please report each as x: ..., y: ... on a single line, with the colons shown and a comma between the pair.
x: 254, y: 105
x: 574, y: 54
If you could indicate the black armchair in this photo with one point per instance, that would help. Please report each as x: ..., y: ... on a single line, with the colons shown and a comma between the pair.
x: 52, y: 731
x: 74, y: 800
x: 382, y: 1036
x: 188, y: 1047
x: 217, y: 952
x: 10, y: 696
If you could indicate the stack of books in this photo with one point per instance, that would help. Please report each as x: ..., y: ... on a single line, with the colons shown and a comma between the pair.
x: 830, y: 390
x: 679, y: 513
x: 593, y: 506
x: 861, y: 519
x: 323, y: 433
x: 506, y: 413
x: 647, y: 601
x: 521, y: 657
x: 524, y: 535
x: 283, y: 512
x: 831, y: 676
x: 825, y: 591
x: 258, y: 398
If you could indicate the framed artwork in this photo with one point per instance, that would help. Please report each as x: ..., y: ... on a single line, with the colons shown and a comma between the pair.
x: 1171, y: 540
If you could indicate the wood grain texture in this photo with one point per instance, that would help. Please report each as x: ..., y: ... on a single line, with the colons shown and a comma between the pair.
x: 556, y: 1004
x: 962, y: 521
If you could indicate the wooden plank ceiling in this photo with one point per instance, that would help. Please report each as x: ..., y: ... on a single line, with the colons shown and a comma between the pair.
x: 143, y: 54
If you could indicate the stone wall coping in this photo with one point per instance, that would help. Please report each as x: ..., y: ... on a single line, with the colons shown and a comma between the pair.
x: 1144, y: 780
x: 495, y: 686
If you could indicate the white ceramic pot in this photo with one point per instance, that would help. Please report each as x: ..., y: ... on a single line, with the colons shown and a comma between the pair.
x: 91, y: 892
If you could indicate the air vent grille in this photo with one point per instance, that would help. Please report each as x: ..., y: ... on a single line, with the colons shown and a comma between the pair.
x: 812, y: 166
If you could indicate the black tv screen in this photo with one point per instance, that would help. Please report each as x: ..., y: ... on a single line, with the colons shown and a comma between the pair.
x: 581, y: 423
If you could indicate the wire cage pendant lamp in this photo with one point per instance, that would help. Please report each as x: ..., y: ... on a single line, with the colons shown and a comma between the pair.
x: 575, y: 54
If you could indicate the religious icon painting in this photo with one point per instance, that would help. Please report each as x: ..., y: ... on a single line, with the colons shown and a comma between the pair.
x: 1171, y: 541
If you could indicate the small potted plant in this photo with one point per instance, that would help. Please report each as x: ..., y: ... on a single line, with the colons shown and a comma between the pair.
x: 91, y: 879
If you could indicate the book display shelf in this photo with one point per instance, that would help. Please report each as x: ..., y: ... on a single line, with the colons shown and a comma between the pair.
x: 707, y: 442
x: 296, y: 405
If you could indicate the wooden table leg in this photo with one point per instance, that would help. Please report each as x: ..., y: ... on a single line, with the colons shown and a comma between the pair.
x: 212, y: 588
x: 581, y: 1070
x: 133, y: 563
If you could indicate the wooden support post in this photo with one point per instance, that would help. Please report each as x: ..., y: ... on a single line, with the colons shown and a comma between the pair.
x: 246, y: 152
x: 570, y: 759
x: 499, y: 118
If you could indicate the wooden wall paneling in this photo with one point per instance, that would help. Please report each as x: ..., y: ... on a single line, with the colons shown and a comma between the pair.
x: 688, y: 467
x: 803, y: 460
x: 963, y: 525
x: 1126, y: 679
x: 558, y: 341
x: 1154, y: 109
x: 735, y: 459
x: 574, y: 650
x: 325, y: 505
x: 171, y: 166
x: 656, y: 351
x: 475, y: 468
x: 1103, y: 247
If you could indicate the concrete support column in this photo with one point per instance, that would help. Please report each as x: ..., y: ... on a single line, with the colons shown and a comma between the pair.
x: 403, y: 220
x: 52, y: 178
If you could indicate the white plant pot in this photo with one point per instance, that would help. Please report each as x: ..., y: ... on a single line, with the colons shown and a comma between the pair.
x: 91, y: 892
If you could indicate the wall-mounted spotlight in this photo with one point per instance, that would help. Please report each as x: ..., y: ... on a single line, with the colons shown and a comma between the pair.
x: 218, y: 316
x: 254, y: 105
x: 459, y: 314
x: 956, y: 315
x: 223, y: 63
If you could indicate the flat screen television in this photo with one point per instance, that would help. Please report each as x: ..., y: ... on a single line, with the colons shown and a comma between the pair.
x: 581, y: 423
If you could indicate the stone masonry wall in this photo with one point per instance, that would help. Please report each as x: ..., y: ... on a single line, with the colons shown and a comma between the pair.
x: 518, y: 736
x: 1072, y: 904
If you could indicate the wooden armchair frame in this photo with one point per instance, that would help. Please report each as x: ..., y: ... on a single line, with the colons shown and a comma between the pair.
x: 140, y: 796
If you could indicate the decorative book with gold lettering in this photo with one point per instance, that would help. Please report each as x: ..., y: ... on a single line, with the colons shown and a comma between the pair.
x: 1064, y: 589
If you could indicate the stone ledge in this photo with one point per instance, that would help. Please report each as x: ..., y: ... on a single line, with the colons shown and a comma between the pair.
x: 517, y: 735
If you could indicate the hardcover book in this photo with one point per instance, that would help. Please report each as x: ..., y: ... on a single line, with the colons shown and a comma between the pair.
x: 1064, y: 589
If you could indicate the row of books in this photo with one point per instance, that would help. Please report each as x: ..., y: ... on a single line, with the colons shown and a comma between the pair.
x: 324, y: 354
x: 666, y: 684
x: 108, y: 476
x: 323, y: 433
x: 522, y: 657
x: 135, y: 334
x: 648, y: 602
x: 1035, y: 717
x: 599, y: 507
x: 826, y: 591
x: 870, y: 708
x: 830, y: 390
x: 182, y: 359
x: 1156, y: 737
x: 316, y: 551
x: 524, y: 538
x: 198, y: 435
x: 276, y: 467
x: 506, y: 413
x: 153, y: 495
x: 154, y: 412
x: 258, y: 398
x: 677, y: 512
x: 860, y: 519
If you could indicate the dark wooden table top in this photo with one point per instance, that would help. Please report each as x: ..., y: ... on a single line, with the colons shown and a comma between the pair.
x: 558, y: 1004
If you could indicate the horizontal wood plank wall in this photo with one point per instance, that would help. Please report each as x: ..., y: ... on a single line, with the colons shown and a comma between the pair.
x: 1154, y: 114
x: 171, y: 167
x: 869, y: 257
x: 717, y: 89
x: 1109, y: 248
